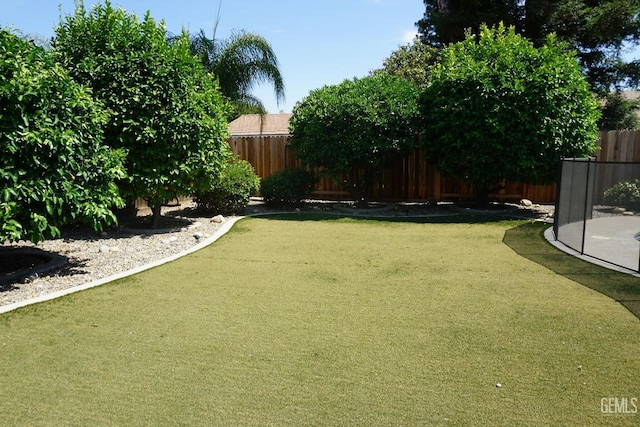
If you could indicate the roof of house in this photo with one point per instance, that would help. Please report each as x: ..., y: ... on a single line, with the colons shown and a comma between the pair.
x: 631, y: 94
x: 260, y: 125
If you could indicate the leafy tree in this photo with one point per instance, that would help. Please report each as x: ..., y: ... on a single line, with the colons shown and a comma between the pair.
x: 619, y: 113
x: 446, y: 21
x: 352, y: 130
x: 410, y: 62
x: 165, y: 109
x: 240, y: 63
x: 54, y: 168
x: 597, y: 30
x: 498, y: 109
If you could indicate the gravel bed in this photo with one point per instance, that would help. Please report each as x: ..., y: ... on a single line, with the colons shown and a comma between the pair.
x: 92, y: 256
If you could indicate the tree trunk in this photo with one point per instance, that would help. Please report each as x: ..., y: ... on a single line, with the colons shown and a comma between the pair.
x: 482, y: 198
x: 157, y: 217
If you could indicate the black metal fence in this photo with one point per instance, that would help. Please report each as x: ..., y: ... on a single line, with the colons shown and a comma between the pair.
x: 598, y: 210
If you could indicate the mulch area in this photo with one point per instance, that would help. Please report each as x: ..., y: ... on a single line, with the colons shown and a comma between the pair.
x: 408, y: 209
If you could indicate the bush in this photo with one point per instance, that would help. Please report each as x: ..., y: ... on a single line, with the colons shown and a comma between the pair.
x: 624, y: 194
x: 289, y: 186
x: 230, y: 194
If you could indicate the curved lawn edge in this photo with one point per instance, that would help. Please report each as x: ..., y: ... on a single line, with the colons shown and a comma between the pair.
x: 551, y: 238
x: 224, y: 229
x: 226, y: 226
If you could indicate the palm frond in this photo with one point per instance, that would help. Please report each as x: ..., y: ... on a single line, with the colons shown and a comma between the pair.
x: 243, y: 62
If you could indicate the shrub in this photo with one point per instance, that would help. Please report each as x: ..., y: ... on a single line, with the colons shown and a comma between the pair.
x: 289, y: 186
x: 624, y: 194
x: 230, y: 194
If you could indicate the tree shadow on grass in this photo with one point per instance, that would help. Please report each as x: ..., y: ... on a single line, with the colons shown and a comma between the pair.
x: 421, y: 219
x: 528, y: 241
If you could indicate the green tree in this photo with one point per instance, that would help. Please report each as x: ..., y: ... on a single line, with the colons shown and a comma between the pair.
x: 240, y: 62
x: 598, y: 30
x: 446, y: 21
x: 411, y: 62
x: 352, y: 130
x: 499, y: 109
x: 619, y: 113
x: 54, y: 168
x: 165, y: 109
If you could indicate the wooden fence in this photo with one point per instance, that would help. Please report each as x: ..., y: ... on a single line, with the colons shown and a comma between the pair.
x: 413, y: 179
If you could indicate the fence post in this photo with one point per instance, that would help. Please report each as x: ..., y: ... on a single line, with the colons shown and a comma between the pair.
x: 586, y: 204
x: 556, y: 209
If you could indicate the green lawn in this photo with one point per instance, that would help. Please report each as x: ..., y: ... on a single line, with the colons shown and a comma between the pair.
x: 300, y: 320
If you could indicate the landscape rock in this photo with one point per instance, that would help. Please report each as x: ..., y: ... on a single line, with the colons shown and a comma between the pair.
x: 30, y: 278
x: 526, y: 203
x: 618, y: 210
x: 218, y: 219
x: 628, y: 213
x: 104, y: 249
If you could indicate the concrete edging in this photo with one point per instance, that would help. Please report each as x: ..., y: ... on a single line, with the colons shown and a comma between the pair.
x: 551, y: 238
x: 226, y: 226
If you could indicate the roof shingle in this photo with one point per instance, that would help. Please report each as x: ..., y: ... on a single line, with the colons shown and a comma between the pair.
x: 250, y: 125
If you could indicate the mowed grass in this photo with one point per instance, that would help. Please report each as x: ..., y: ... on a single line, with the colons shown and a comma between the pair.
x: 330, y: 322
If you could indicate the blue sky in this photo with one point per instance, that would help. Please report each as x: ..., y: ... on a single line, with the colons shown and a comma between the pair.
x: 318, y: 42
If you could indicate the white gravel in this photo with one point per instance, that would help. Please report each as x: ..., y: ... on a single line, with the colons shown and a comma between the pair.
x: 93, y: 256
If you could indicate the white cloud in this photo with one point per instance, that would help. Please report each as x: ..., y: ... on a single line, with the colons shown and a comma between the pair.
x: 408, y: 36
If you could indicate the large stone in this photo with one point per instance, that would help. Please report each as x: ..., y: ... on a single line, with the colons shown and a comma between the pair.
x: 219, y: 219
x: 526, y: 203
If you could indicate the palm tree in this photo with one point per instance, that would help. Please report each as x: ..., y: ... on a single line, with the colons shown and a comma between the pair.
x: 240, y: 63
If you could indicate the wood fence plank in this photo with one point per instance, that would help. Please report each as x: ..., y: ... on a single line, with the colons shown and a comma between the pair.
x: 413, y: 178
